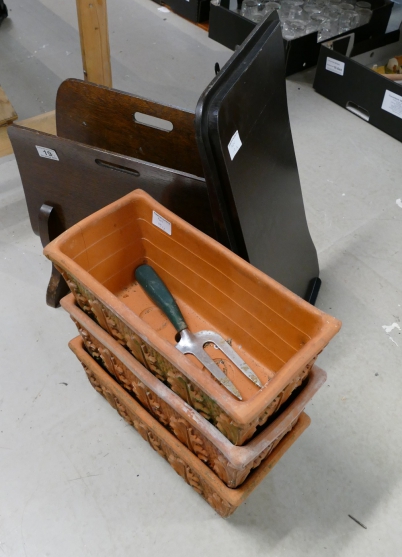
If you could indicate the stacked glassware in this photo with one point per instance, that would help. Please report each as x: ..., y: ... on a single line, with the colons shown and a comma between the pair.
x: 302, y: 17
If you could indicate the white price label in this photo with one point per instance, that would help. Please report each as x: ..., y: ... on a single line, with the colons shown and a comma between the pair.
x: 335, y: 66
x: 234, y: 145
x: 47, y: 153
x: 392, y: 103
x: 161, y: 223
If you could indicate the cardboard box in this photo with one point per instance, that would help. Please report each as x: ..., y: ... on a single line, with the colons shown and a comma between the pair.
x: 229, y: 28
x: 344, y: 76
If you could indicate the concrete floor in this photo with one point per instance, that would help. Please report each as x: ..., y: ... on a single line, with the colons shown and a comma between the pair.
x: 74, y: 480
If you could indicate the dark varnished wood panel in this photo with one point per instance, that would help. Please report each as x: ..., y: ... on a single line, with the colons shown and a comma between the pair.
x: 57, y: 287
x: 103, y: 117
x: 86, y: 178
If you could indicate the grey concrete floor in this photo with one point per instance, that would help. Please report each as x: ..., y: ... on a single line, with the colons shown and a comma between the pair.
x: 74, y: 480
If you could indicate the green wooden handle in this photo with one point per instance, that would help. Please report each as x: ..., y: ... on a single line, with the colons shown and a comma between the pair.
x: 157, y: 291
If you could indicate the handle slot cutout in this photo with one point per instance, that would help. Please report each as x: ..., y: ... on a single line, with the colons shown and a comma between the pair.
x: 117, y: 167
x: 153, y: 122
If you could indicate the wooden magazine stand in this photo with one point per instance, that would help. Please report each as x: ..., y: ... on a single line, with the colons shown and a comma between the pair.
x: 108, y: 143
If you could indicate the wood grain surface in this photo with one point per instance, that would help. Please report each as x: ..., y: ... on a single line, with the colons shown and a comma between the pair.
x: 106, y: 118
x: 7, y: 112
x: 94, y: 39
x: 86, y: 178
x: 43, y: 122
x: 5, y: 144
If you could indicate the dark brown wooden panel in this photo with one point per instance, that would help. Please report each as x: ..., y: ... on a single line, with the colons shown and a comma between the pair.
x: 86, y: 178
x: 103, y: 117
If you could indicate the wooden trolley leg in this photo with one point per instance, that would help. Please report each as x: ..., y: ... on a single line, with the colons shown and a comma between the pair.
x: 57, y: 287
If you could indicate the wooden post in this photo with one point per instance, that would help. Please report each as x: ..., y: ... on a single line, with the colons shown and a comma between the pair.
x: 7, y: 112
x: 94, y: 37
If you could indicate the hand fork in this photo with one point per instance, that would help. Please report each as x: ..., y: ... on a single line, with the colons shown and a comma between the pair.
x: 192, y: 343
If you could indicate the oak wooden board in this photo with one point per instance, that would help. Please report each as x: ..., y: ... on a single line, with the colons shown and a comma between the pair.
x: 94, y: 38
x: 5, y: 144
x: 7, y: 112
x: 42, y: 122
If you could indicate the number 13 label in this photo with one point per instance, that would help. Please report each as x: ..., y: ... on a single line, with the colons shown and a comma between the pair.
x: 47, y: 153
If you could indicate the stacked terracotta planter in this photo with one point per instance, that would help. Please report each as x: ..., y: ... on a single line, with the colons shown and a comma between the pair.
x: 222, y: 446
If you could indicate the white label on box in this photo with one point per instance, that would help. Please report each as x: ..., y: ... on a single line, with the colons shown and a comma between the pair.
x: 161, y: 223
x: 234, y: 145
x: 335, y: 66
x: 47, y: 153
x: 392, y: 103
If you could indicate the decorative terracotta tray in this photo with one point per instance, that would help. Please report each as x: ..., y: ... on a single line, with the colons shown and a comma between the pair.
x: 223, y: 499
x: 278, y: 334
x: 231, y: 464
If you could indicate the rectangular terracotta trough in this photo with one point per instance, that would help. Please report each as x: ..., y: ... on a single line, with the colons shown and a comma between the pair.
x: 222, y: 498
x: 278, y: 334
x: 232, y: 464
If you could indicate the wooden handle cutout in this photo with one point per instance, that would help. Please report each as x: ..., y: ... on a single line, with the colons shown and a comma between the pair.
x: 153, y: 122
x: 117, y: 167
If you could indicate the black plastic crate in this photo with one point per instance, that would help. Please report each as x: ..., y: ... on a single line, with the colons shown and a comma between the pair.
x: 344, y: 76
x: 229, y: 28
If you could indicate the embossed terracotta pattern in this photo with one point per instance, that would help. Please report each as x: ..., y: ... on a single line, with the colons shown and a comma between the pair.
x: 275, y: 332
x: 221, y: 498
x: 232, y: 464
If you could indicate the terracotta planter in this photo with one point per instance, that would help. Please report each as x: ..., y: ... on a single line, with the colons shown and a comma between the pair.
x: 231, y: 464
x: 274, y: 331
x: 222, y: 498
